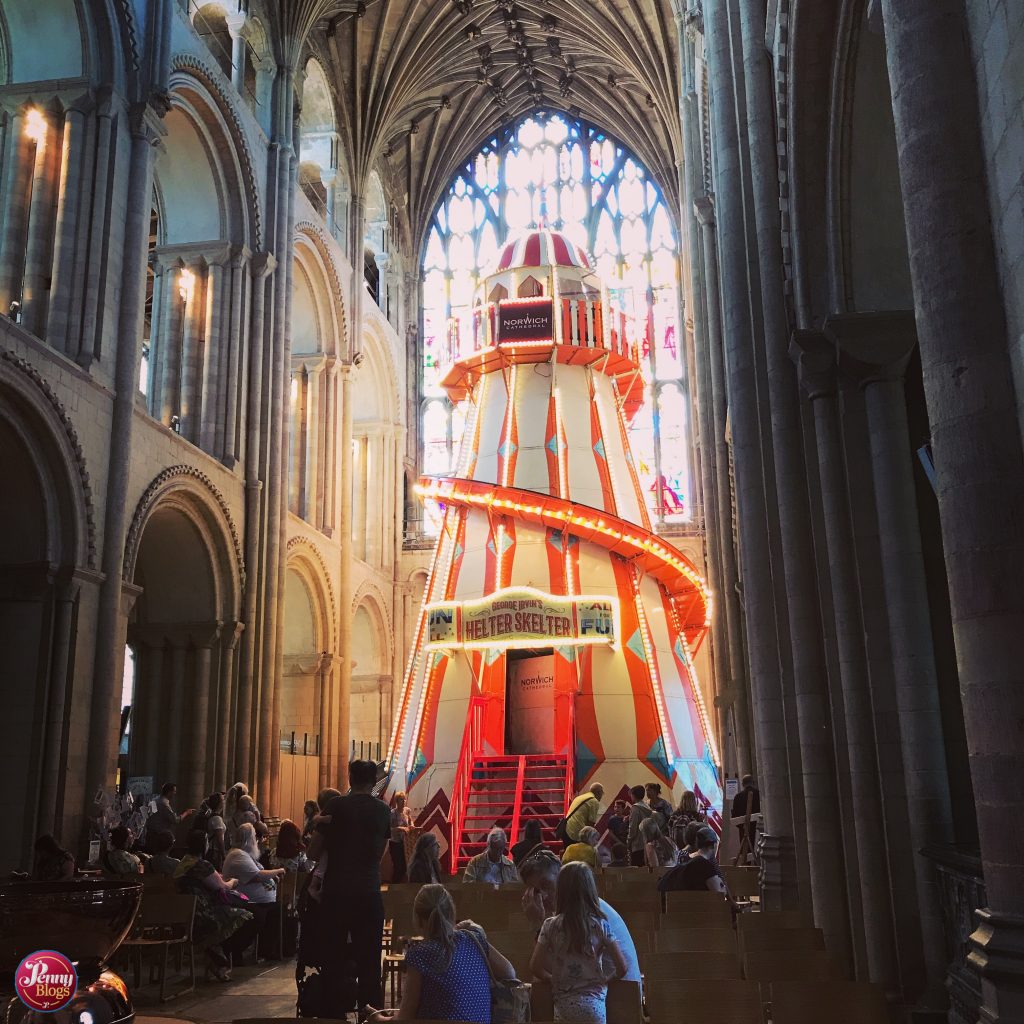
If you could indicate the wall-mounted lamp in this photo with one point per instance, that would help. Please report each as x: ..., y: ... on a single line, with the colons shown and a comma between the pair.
x: 186, y: 284
x: 35, y: 125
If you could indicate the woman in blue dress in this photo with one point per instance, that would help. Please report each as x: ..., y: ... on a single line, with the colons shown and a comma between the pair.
x: 447, y: 975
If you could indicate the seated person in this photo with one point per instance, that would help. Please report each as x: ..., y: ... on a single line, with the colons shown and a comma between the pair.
x: 447, y: 975
x: 120, y: 859
x: 221, y: 929
x: 659, y: 850
x: 699, y: 873
x: 492, y: 867
x: 51, y: 863
x: 531, y: 843
x: 585, y: 849
x: 540, y: 876
x: 161, y: 862
x: 291, y: 850
x: 690, y: 838
x: 257, y: 883
x: 620, y: 856
x: 425, y: 866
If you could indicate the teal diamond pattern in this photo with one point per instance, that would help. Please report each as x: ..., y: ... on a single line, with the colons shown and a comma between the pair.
x: 636, y: 644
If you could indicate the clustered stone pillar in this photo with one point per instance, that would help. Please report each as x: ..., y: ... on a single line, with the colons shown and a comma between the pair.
x: 976, y: 441
x: 779, y: 880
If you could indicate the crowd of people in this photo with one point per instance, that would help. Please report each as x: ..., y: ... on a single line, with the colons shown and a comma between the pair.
x: 581, y: 941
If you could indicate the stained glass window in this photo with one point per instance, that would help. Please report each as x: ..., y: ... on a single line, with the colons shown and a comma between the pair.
x: 570, y: 176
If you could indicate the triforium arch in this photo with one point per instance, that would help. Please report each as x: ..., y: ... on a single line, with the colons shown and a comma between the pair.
x: 205, y: 226
x: 318, y: 345
x: 372, y: 690
x: 378, y: 450
x: 309, y: 698
x: 47, y: 585
x: 184, y: 563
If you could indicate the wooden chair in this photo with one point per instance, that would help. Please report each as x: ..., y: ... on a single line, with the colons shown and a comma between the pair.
x: 808, y: 1002
x: 742, y: 881
x: 692, y: 966
x: 697, y: 910
x: 773, y: 919
x: 761, y: 940
x: 625, y: 1003
x: 164, y: 921
x: 696, y: 940
x: 158, y: 885
x: 287, y: 889
x: 640, y: 920
x: 517, y: 947
x: 787, y: 965
x: 732, y: 1002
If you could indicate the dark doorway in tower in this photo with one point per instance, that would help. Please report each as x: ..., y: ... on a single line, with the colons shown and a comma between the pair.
x: 530, y: 701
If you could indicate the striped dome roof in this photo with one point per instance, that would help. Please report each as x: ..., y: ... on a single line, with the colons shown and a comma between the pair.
x: 542, y: 248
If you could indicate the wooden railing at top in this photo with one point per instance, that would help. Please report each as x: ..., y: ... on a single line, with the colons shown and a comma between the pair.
x: 518, y: 805
x: 570, y: 758
x: 472, y: 744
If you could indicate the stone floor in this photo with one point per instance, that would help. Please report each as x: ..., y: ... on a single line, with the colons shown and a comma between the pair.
x: 265, y: 990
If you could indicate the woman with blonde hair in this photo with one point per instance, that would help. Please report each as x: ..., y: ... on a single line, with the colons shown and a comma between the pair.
x: 584, y: 849
x: 576, y: 950
x: 659, y: 850
x: 448, y: 974
x: 689, y: 812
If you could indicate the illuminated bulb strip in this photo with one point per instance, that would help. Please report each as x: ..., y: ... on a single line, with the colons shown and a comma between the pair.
x: 396, y: 735
x: 652, y: 663
x: 499, y: 547
x: 425, y: 687
x: 695, y: 686
x: 471, y: 451
x: 445, y: 489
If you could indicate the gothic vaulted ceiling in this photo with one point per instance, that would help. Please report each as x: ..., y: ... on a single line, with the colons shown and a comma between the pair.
x: 424, y: 83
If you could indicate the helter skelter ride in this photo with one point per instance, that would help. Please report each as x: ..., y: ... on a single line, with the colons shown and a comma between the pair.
x: 555, y: 645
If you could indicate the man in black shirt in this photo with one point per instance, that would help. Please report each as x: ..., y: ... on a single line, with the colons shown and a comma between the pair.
x: 354, y: 842
x: 700, y: 873
x: 748, y: 791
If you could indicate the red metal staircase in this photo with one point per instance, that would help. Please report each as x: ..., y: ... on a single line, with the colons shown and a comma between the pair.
x: 507, y: 791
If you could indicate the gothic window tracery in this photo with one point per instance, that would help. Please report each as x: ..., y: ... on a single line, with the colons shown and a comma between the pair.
x: 570, y: 176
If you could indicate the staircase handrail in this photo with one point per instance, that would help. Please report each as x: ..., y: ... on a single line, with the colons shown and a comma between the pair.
x: 570, y: 759
x: 472, y: 744
x: 518, y: 805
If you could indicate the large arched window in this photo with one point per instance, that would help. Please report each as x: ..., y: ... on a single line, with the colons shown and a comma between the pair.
x: 570, y: 176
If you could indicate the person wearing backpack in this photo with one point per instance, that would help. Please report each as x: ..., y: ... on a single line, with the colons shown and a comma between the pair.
x: 584, y: 811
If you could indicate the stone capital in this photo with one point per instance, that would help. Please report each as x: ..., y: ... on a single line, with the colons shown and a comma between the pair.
x: 873, y: 347
x: 261, y: 264
x: 815, y: 360
x: 704, y: 209
x: 230, y: 634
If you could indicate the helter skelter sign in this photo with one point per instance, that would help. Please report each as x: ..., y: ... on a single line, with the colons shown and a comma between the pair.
x: 522, y: 617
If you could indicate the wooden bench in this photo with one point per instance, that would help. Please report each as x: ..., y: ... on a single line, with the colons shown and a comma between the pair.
x: 696, y: 940
x: 731, y: 1002
x: 691, y: 966
x: 840, y: 1002
x: 786, y: 965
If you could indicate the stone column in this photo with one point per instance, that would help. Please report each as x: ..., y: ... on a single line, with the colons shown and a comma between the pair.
x: 311, y: 494
x: 18, y: 164
x: 156, y: 708
x: 39, y: 247
x: 235, y: 341
x: 779, y: 876
x: 193, y: 338
x: 345, y: 595
x: 817, y: 366
x: 330, y: 497
x: 817, y: 757
x: 729, y: 594
x: 174, y: 711
x: 875, y: 349
x: 979, y: 462
x: 105, y: 152
x: 244, y: 766
x: 297, y: 419
x: 203, y: 691
x: 357, y: 483
x: 166, y: 343
x: 102, y: 754
x: 225, y: 710
x: 236, y: 28
x: 69, y: 207
x: 326, y: 671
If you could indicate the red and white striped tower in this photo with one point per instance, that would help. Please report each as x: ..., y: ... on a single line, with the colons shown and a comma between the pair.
x: 547, y: 549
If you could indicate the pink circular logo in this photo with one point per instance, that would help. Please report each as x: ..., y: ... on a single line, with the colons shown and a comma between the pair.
x: 46, y: 980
